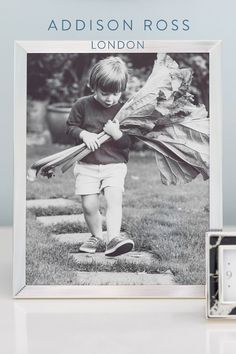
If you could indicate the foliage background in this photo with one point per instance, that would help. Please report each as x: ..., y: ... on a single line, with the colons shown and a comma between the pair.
x: 63, y: 77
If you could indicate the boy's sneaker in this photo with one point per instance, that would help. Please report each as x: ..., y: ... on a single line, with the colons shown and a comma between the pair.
x: 119, y: 245
x: 91, y: 245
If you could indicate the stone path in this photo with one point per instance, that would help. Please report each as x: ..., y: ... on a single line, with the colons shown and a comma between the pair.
x: 61, y: 219
x: 129, y: 258
x: 71, y: 239
x: 49, y: 203
x: 112, y: 278
x: 74, y: 238
x: 135, y: 259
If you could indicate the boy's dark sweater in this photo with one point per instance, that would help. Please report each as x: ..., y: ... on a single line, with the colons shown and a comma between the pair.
x: 88, y: 114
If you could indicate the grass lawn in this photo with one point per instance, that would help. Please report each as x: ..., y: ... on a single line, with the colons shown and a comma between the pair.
x: 168, y: 221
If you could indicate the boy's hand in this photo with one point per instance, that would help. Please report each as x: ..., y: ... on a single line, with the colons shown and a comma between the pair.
x: 90, y: 140
x: 112, y: 128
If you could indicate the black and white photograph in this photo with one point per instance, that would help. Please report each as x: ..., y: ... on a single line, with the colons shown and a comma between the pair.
x: 118, y: 168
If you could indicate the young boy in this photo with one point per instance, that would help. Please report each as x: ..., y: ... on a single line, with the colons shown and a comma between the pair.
x: 104, y: 169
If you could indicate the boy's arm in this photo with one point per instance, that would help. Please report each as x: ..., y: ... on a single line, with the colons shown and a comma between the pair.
x: 74, y: 128
x: 113, y: 129
x: 124, y: 142
x: 74, y: 122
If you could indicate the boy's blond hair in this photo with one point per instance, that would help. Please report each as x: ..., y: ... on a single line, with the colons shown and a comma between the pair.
x: 109, y: 75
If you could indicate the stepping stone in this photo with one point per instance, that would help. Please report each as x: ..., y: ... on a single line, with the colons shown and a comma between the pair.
x: 61, y: 219
x: 49, y: 203
x: 74, y: 238
x: 123, y: 278
x: 131, y: 257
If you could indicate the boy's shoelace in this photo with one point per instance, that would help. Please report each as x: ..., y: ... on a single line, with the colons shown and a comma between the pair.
x: 92, y: 241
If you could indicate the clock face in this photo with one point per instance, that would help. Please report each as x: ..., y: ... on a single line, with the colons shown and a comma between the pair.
x: 227, y: 274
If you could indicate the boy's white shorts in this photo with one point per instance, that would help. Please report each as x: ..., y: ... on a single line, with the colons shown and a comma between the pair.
x: 92, y: 179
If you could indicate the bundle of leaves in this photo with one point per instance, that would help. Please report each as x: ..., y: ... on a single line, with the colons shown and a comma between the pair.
x: 162, y: 115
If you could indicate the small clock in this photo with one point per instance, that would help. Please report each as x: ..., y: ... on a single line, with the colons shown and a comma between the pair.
x: 221, y: 274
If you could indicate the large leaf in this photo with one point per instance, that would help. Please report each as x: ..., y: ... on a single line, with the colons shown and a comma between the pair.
x: 182, y: 150
x: 175, y: 172
x: 173, y: 168
x: 163, y: 84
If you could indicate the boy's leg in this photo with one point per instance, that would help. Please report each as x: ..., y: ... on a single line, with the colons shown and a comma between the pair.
x: 90, y: 204
x: 117, y: 244
x: 113, y: 196
x: 92, y: 216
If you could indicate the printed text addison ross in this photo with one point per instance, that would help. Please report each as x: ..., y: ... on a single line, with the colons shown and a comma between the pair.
x: 121, y: 25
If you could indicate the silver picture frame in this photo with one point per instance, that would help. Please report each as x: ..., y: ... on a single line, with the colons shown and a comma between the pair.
x: 20, y: 289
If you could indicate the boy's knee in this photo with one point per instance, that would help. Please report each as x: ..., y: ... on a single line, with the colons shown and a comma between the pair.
x: 113, y: 197
x: 89, y: 206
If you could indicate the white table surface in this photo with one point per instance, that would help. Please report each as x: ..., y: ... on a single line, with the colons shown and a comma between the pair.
x: 105, y: 326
